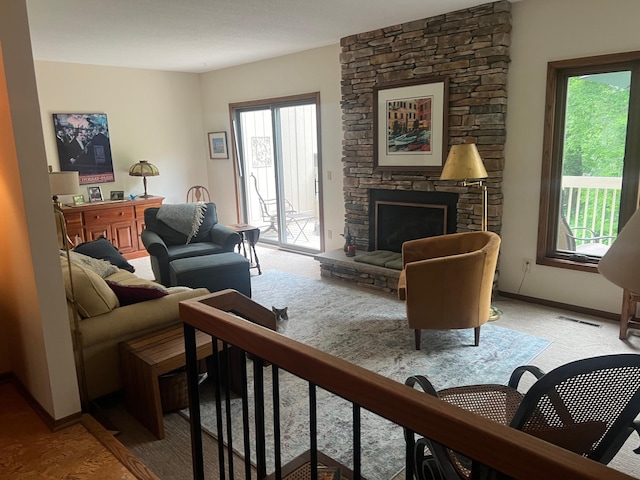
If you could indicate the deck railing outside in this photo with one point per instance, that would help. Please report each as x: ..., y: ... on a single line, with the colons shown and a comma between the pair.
x: 592, y: 203
x: 502, y: 448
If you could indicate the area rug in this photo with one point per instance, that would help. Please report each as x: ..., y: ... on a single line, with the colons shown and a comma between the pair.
x: 369, y: 330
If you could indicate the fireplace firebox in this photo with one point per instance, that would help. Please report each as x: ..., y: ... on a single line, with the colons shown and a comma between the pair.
x: 396, y: 216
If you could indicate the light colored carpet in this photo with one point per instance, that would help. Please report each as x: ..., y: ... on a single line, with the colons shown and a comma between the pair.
x: 368, y: 330
x: 571, y: 340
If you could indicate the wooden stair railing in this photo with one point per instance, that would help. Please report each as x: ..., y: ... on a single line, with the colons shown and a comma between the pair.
x: 502, y: 448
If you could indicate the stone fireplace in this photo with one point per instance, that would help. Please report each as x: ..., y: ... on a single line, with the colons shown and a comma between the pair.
x: 470, y: 47
x: 397, y: 216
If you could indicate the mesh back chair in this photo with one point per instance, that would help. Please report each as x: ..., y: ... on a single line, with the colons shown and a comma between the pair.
x: 588, y: 406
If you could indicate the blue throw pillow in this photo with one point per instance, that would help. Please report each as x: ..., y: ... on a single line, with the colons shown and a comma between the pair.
x: 103, y: 249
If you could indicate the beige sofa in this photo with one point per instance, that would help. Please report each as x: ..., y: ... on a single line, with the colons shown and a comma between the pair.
x: 105, y: 322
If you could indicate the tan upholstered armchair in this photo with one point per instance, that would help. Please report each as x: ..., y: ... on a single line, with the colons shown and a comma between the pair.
x: 447, y: 281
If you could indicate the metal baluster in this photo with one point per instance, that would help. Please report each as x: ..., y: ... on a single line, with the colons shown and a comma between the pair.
x: 357, y: 473
x: 313, y: 431
x: 245, y: 416
x: 197, y: 458
x: 276, y: 422
x: 227, y: 392
x: 258, y: 382
x: 218, y: 386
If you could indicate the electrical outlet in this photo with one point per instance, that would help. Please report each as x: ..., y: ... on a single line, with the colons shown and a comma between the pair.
x: 526, y: 265
x: 330, y: 234
x: 329, y: 175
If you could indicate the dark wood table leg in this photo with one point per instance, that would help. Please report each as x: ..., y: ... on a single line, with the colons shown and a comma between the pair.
x: 252, y: 237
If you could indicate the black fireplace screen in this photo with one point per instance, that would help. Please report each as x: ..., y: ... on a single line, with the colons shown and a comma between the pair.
x: 399, y: 222
x: 396, y: 216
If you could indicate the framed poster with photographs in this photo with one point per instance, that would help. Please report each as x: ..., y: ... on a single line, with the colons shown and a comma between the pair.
x: 411, y: 124
x: 117, y: 195
x: 84, y: 146
x: 218, y: 145
x: 95, y: 194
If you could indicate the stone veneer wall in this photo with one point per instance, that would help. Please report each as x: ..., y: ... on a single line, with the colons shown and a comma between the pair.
x: 471, y: 48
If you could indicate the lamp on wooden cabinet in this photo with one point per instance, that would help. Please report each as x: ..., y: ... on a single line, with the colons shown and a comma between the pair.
x: 63, y: 183
x: 144, y: 169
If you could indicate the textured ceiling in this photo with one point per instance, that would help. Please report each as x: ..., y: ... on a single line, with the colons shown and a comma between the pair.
x: 205, y: 35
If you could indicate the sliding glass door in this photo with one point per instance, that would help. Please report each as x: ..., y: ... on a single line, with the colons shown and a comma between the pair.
x: 278, y: 170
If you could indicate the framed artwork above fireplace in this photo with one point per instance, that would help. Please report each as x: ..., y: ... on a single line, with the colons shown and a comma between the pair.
x: 410, y: 124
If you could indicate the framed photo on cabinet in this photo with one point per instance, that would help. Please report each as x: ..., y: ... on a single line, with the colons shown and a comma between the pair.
x: 117, y: 195
x: 95, y: 194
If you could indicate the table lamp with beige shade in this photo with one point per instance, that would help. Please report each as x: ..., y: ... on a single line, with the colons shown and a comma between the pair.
x: 63, y: 183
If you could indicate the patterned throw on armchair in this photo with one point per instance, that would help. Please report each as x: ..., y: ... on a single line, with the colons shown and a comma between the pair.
x: 182, y: 231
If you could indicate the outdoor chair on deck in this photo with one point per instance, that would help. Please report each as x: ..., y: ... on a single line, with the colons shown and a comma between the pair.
x: 269, y: 213
x: 590, y: 243
x: 587, y: 406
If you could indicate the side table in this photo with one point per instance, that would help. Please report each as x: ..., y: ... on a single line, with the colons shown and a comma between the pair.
x: 249, y: 234
x: 143, y: 360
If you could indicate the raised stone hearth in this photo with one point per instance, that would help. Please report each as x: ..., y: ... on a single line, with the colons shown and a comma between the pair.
x: 336, y: 264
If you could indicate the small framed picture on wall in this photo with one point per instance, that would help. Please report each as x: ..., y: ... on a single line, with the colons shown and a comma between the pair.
x: 95, y: 194
x: 218, y: 145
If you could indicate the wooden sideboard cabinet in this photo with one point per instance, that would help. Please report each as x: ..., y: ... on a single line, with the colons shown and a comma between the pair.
x: 120, y: 222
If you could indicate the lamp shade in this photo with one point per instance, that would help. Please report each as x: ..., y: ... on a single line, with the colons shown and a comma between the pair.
x: 621, y: 263
x: 143, y: 169
x: 63, y: 183
x: 463, y: 163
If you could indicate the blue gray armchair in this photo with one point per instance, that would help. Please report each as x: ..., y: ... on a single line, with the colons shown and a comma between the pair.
x: 165, y: 244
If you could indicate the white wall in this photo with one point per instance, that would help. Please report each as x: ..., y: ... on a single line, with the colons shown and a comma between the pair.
x: 152, y: 115
x: 543, y: 31
x: 33, y: 307
x: 315, y: 70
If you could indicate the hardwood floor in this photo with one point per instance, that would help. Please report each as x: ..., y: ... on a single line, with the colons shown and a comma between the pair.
x: 30, y: 450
